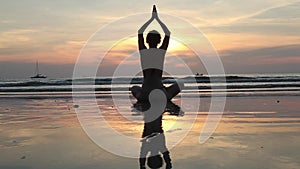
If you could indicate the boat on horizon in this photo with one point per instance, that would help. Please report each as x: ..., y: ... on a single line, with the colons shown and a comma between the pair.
x: 198, y: 74
x: 37, y: 74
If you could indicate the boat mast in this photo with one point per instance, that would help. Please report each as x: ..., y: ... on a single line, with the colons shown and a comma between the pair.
x: 38, y: 75
x: 37, y: 67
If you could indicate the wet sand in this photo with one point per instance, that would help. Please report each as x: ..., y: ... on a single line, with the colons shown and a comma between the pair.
x: 255, y: 132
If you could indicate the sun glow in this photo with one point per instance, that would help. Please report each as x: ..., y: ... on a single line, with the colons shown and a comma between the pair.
x: 175, y: 46
x: 128, y: 44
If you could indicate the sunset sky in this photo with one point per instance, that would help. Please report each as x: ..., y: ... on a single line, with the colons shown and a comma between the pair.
x: 250, y: 36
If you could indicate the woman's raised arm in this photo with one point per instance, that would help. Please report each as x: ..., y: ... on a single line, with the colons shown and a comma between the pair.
x: 164, y: 27
x: 167, y: 32
x: 141, y: 41
x: 144, y: 27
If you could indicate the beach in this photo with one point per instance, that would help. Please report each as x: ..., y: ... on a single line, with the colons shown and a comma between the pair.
x: 167, y: 84
x: 257, y: 130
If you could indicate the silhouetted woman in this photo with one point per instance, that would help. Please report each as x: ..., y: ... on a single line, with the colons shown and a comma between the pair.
x: 152, y: 62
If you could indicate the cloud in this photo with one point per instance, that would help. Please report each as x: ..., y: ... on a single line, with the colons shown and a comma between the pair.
x: 26, y: 45
x: 285, y: 11
x: 268, y: 59
x: 282, y: 19
x: 54, y: 32
x: 267, y: 52
x: 16, y: 37
x: 218, y: 13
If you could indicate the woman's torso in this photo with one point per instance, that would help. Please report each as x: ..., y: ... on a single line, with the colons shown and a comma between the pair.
x: 152, y: 62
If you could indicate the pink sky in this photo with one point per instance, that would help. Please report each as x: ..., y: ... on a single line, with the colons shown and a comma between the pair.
x: 258, y: 32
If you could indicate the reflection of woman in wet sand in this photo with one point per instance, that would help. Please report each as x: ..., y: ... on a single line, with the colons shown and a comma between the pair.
x: 152, y: 61
x: 153, y: 143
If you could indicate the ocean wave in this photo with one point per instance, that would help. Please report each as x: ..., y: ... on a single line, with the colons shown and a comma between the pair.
x: 139, y: 80
x: 236, y: 87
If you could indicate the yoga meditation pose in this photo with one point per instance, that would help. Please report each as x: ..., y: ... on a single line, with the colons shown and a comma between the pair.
x: 152, y: 62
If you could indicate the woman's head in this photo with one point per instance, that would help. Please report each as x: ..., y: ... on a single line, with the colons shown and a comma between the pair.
x: 153, y: 38
x: 155, y: 162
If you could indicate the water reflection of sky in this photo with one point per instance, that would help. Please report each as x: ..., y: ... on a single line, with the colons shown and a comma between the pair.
x: 264, y: 134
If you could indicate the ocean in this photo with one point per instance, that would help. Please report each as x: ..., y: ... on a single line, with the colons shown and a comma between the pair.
x: 235, y: 85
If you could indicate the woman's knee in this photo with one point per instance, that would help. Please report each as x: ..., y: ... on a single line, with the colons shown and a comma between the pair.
x: 136, y: 90
x: 180, y: 84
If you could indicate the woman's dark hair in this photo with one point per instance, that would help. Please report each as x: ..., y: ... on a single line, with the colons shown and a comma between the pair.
x: 155, y: 162
x: 153, y: 38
